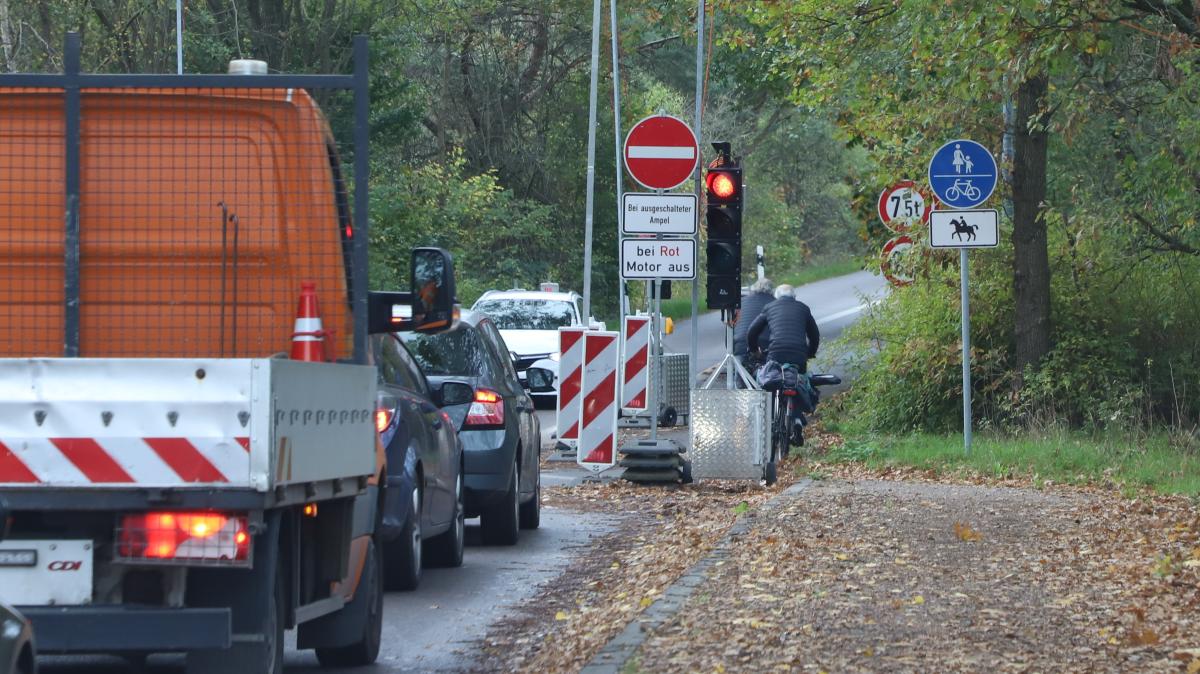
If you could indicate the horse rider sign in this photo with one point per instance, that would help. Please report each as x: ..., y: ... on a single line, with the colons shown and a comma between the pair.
x: 964, y: 229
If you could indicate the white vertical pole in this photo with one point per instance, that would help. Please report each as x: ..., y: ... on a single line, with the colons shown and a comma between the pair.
x: 591, y: 166
x: 179, y: 37
x: 616, y: 79
x: 966, y: 347
x: 695, y: 346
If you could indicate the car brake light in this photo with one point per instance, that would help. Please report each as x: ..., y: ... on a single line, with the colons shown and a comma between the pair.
x: 183, y: 536
x: 487, y: 409
x: 383, y: 419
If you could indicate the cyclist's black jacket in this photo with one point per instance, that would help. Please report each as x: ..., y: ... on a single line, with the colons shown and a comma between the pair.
x: 752, y: 306
x: 794, y: 333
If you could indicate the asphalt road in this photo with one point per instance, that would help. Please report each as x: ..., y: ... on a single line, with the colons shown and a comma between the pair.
x: 433, y: 628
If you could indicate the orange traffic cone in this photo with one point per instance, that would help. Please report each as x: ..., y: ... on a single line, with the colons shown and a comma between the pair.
x: 308, y: 336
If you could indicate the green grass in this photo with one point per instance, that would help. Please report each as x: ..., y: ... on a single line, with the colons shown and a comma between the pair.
x: 1154, y: 463
x: 680, y: 305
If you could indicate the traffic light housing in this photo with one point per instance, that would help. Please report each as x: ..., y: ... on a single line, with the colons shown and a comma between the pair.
x: 725, y: 192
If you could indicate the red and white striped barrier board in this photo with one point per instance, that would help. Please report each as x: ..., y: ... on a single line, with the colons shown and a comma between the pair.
x: 148, y: 461
x: 570, y: 373
x: 634, y: 366
x: 598, y: 427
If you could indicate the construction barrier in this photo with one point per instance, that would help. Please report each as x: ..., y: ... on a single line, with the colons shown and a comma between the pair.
x: 598, y: 427
x: 570, y: 373
x: 635, y: 352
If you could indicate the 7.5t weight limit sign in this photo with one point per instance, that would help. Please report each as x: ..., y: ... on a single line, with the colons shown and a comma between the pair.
x: 647, y: 259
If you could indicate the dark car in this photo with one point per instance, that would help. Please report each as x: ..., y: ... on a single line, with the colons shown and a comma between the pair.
x: 499, y: 429
x: 16, y: 643
x: 422, y: 519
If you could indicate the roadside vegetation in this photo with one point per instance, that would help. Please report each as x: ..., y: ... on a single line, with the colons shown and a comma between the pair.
x: 479, y: 120
x: 1162, y: 463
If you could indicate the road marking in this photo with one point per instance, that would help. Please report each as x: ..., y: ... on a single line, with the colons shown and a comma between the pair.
x: 848, y: 312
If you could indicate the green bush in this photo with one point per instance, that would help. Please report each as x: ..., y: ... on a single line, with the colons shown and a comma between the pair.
x: 1124, y: 355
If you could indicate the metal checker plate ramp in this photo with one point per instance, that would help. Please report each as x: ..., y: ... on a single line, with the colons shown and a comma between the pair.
x: 729, y: 431
x: 676, y: 386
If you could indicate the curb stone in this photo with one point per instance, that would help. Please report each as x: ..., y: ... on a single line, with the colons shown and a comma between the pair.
x: 620, y: 649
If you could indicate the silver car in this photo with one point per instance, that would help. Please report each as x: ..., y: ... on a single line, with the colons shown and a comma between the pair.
x: 16, y: 643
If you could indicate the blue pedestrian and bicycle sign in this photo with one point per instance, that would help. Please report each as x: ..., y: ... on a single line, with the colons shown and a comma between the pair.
x: 962, y: 174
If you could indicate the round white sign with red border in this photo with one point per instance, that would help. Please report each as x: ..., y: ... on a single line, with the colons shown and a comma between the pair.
x: 893, y: 251
x: 661, y: 152
x: 902, y: 207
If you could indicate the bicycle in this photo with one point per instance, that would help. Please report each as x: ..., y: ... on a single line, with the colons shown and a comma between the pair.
x: 788, y: 416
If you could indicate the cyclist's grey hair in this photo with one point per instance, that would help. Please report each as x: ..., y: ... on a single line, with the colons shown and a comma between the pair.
x: 762, y: 285
x: 785, y: 290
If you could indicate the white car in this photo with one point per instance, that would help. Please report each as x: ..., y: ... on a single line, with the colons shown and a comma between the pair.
x: 529, y: 321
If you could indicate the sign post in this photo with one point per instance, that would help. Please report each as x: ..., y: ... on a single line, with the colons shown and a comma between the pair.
x: 963, y: 175
x: 661, y: 153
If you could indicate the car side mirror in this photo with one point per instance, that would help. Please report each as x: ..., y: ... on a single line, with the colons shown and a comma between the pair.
x: 538, y: 380
x: 433, y: 290
x: 454, y: 393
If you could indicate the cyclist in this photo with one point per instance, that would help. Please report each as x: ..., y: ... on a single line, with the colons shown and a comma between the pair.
x: 794, y: 336
x: 752, y: 305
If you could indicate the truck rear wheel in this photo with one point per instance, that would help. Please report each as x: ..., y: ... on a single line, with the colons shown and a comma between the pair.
x: 365, y: 651
x: 265, y: 656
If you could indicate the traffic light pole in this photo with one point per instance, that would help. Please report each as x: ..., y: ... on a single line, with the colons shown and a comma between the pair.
x: 694, y: 356
x: 616, y: 78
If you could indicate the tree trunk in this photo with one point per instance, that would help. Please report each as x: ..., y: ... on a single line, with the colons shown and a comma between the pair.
x: 6, y: 39
x: 1031, y: 263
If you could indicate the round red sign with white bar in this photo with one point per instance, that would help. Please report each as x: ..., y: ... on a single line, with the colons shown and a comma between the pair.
x: 661, y: 152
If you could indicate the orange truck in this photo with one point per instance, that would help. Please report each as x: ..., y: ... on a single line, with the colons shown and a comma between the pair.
x: 170, y: 480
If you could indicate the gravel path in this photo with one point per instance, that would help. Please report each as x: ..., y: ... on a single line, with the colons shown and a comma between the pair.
x: 864, y: 575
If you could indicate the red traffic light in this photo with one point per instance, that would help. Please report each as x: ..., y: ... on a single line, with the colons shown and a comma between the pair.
x: 721, y: 184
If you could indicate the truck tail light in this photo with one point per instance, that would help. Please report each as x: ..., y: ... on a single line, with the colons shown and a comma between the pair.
x: 169, y: 536
x: 487, y: 410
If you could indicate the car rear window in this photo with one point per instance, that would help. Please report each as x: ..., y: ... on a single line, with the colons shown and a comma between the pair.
x: 528, y: 314
x: 457, y: 353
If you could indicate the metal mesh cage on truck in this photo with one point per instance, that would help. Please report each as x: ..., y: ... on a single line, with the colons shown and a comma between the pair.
x: 178, y: 215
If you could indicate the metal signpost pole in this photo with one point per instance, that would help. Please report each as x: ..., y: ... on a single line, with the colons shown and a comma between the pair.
x: 591, y: 166
x: 652, y: 362
x: 616, y: 78
x: 179, y: 37
x: 694, y: 358
x: 966, y: 347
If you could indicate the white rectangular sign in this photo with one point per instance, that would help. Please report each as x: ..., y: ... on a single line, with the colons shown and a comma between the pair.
x: 650, y: 259
x: 658, y: 213
x: 964, y: 229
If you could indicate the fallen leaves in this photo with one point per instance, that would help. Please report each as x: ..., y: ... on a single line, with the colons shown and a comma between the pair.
x: 966, y: 533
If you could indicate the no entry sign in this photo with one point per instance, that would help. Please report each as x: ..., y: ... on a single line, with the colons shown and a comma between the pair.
x: 661, y: 152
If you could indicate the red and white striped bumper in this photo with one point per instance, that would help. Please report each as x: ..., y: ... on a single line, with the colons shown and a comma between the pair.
x: 124, y: 461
